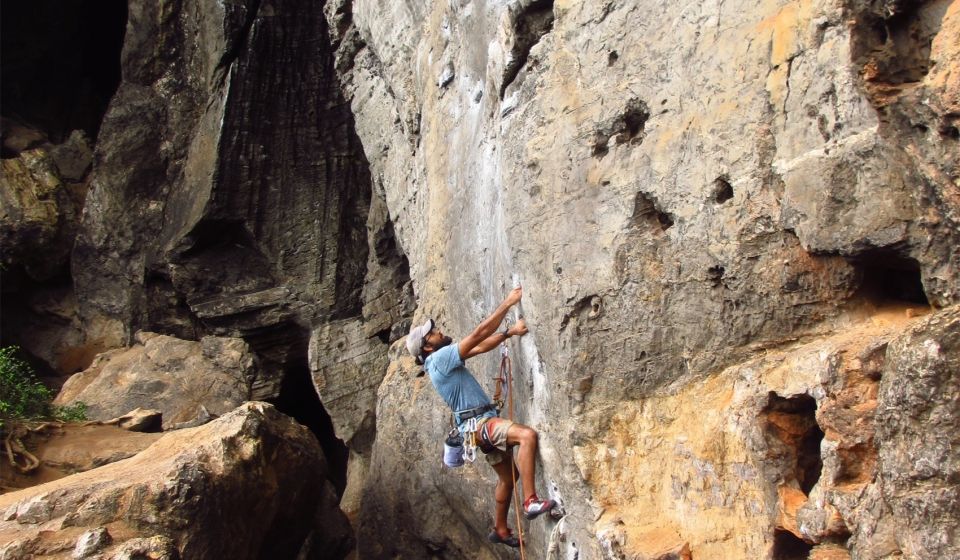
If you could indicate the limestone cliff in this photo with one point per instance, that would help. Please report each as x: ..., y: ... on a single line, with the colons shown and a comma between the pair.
x: 686, y: 191
x: 736, y: 225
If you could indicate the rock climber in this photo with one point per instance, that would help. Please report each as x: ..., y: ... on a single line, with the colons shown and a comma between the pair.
x: 444, y: 362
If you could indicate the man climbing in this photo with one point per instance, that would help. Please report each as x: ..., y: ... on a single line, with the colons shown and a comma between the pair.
x: 444, y: 361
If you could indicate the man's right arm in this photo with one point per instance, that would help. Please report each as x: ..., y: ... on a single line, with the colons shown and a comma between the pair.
x: 494, y: 340
x: 489, y: 325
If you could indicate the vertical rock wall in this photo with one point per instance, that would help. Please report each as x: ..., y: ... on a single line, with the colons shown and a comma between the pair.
x: 679, y: 187
x: 230, y: 195
x: 723, y: 215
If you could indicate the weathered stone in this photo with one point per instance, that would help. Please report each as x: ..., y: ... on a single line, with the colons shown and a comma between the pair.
x: 181, y: 379
x: 228, y: 224
x: 678, y: 195
x: 92, y: 542
x: 140, y: 420
x: 919, y: 462
x: 347, y: 369
x: 190, y: 495
x: 41, y: 194
x: 156, y: 547
x: 38, y: 215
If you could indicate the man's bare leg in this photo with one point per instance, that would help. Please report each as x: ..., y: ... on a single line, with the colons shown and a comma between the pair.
x: 503, y: 494
x: 526, y: 438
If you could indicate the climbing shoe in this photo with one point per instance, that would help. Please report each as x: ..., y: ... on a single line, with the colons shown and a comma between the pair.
x: 534, y: 506
x: 511, y: 540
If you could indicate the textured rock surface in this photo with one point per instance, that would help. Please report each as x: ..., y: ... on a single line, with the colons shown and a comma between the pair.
x: 42, y: 190
x: 180, y: 378
x: 191, y: 495
x: 229, y: 194
x: 38, y: 214
x: 69, y: 448
x: 713, y: 207
x: 679, y: 187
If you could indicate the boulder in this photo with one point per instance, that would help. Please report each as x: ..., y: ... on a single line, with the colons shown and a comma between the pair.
x: 180, y: 378
x: 251, y: 484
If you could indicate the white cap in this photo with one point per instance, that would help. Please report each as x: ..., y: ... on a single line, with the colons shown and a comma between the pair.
x: 415, y: 338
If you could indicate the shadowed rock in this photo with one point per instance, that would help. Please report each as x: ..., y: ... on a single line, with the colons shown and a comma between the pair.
x: 250, y: 485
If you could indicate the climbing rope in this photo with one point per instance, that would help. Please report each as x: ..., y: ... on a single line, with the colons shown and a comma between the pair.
x: 506, y: 371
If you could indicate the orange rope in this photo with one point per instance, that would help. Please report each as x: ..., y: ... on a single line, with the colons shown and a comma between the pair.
x: 505, y: 365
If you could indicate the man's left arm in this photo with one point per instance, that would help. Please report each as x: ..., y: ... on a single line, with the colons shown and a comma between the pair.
x: 517, y: 329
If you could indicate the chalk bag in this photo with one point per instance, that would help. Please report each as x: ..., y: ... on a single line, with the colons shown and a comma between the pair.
x: 453, y: 449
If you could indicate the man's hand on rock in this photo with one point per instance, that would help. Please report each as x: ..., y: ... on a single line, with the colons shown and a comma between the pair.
x: 519, y: 328
x: 514, y: 297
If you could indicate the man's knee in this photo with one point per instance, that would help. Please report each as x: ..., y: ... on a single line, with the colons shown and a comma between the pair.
x: 528, y: 435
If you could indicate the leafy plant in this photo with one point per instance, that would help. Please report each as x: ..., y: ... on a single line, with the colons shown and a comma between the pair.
x: 23, y: 397
x: 71, y: 413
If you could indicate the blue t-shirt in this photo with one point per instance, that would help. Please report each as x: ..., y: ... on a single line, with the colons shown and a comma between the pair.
x: 456, y: 385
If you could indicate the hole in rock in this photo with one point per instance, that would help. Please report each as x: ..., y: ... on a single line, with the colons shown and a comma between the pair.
x: 793, y: 435
x: 529, y: 26
x: 646, y: 212
x: 951, y: 132
x: 298, y: 398
x: 857, y: 463
x: 886, y: 276
x: 612, y: 58
x: 891, y: 43
x: 628, y: 127
x: 60, y: 62
x: 722, y: 190
x: 787, y: 546
x: 715, y: 275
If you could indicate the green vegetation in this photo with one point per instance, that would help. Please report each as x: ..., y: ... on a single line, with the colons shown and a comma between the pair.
x: 23, y: 397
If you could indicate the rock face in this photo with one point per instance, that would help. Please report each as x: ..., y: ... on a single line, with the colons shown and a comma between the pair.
x: 230, y: 195
x: 42, y: 194
x: 736, y: 225
x: 190, y: 495
x: 184, y: 380
x: 679, y: 187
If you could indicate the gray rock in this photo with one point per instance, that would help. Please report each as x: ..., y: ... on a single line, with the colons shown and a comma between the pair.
x: 682, y: 189
x: 178, y: 379
x: 919, y: 463
x: 676, y: 193
x: 156, y: 547
x: 208, y: 215
x: 38, y: 215
x: 91, y: 542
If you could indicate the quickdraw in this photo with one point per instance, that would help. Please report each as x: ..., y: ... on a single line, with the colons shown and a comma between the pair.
x: 501, y: 380
x: 470, y: 441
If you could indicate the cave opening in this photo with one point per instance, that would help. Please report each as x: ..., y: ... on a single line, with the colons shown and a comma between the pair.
x: 60, y: 63
x: 298, y: 398
x: 885, y: 276
x: 787, y: 546
x: 792, y: 428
